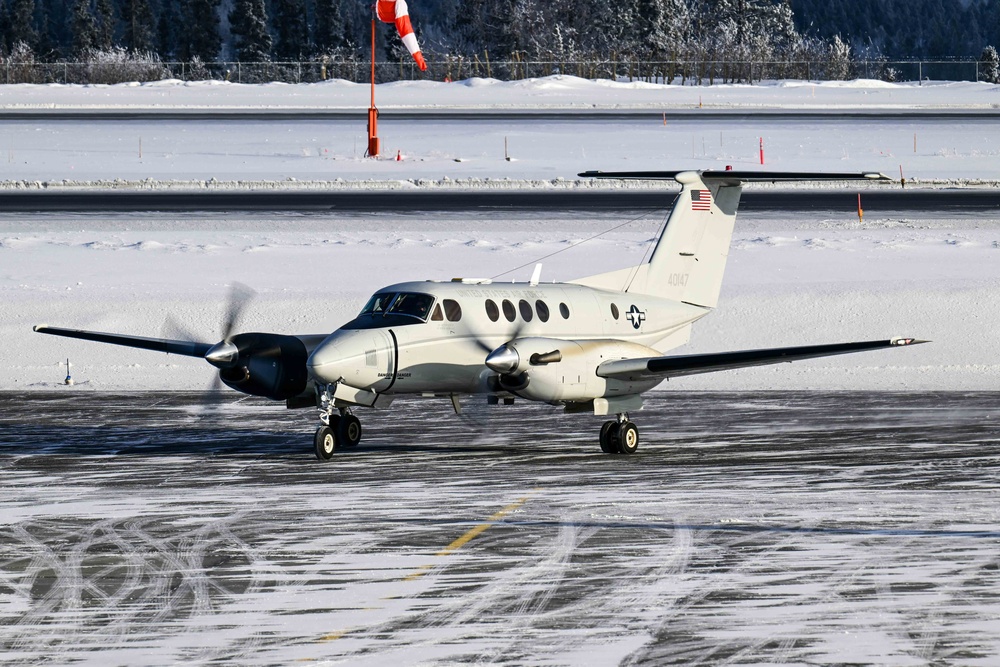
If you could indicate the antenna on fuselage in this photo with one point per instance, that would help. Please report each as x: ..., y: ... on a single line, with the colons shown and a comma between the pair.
x: 535, y: 275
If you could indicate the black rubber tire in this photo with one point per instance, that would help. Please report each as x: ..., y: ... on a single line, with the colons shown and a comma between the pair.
x: 607, y: 446
x: 628, y: 438
x: 348, y: 431
x: 325, y: 443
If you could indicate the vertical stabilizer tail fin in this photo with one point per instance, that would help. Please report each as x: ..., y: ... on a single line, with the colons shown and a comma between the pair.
x: 689, y: 259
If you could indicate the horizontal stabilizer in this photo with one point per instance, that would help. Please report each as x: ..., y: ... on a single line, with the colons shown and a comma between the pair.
x: 694, y: 364
x: 743, y: 176
x: 182, y: 347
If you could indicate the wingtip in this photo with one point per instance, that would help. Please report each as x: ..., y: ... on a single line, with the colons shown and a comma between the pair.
x: 907, y: 341
x: 39, y: 327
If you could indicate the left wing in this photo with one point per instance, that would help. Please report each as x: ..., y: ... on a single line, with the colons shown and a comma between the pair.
x: 693, y: 364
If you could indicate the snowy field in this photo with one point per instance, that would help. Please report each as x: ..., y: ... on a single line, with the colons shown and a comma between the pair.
x: 310, y: 153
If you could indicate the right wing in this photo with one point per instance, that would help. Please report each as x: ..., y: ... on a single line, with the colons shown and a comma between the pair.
x: 693, y: 364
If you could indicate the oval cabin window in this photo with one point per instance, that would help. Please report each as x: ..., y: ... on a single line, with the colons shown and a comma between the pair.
x: 492, y: 311
x: 508, y: 311
x: 564, y: 311
x: 542, y: 310
x: 525, y: 309
x: 614, y: 310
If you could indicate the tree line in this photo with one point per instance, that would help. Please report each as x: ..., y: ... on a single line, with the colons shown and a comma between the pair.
x: 813, y: 38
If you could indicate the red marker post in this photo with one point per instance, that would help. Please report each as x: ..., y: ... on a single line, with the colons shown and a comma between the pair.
x: 762, y: 150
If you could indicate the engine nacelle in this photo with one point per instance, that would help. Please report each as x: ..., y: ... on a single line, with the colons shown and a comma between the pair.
x: 268, y: 365
x: 553, y: 370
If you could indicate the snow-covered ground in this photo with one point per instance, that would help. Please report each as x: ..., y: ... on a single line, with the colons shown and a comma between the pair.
x: 807, y: 279
x: 329, y: 153
x: 548, y: 93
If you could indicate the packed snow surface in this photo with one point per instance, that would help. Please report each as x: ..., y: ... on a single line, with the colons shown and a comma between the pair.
x: 434, y: 152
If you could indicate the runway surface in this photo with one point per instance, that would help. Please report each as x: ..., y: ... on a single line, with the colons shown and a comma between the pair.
x: 876, y: 202
x: 792, y: 528
x: 488, y: 115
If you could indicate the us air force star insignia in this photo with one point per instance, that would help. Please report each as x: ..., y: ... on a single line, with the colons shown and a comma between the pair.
x: 636, y: 316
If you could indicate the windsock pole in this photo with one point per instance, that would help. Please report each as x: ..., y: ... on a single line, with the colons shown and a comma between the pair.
x: 373, y: 142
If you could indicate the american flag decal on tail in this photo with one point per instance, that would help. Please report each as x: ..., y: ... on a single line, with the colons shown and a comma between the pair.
x: 701, y: 200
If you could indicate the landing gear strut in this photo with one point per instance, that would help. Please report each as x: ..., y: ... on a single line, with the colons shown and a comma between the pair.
x: 619, y: 437
x: 339, y: 427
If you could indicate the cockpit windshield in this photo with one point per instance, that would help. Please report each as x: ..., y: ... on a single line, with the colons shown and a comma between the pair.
x: 404, y: 303
x: 378, y: 304
x: 414, y: 305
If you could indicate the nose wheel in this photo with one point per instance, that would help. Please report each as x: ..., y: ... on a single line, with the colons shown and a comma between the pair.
x: 325, y: 443
x: 619, y: 437
x: 341, y: 430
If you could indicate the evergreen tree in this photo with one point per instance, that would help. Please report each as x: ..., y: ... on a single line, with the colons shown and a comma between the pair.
x: 291, y: 29
x: 248, y: 25
x: 838, y: 65
x: 201, y: 38
x: 22, y: 23
x: 104, y: 13
x: 84, y: 29
x: 166, y: 38
x: 989, y: 65
x: 469, y: 27
x: 4, y: 29
x: 331, y: 28
x: 137, y: 20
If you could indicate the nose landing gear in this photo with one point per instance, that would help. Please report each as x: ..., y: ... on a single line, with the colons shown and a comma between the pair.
x: 339, y: 428
x: 619, y: 437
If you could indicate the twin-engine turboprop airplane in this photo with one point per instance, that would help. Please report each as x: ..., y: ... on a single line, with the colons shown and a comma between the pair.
x: 594, y: 344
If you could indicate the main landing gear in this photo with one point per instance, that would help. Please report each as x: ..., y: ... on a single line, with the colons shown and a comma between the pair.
x: 619, y: 437
x: 338, y: 430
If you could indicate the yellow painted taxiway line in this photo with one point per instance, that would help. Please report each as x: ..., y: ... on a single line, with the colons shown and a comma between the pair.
x: 470, y: 535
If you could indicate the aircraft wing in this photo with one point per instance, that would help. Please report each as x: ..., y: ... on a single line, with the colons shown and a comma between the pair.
x: 693, y: 364
x: 182, y: 347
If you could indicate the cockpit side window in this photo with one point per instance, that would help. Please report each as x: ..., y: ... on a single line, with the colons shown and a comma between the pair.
x: 378, y: 303
x: 414, y: 305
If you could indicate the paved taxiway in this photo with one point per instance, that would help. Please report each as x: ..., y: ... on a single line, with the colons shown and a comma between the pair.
x: 751, y: 528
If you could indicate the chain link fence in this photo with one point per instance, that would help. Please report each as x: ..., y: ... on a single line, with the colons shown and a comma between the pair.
x: 454, y: 68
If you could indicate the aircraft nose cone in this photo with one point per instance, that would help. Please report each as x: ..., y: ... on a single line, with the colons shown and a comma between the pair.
x: 323, y: 364
x: 503, y: 360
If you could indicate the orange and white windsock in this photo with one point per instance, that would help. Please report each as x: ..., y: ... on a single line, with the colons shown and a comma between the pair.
x: 396, y: 11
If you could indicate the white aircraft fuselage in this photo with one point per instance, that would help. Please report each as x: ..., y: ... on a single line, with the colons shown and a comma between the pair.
x: 442, y: 350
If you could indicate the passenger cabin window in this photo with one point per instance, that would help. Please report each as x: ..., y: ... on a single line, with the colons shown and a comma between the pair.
x: 508, y: 310
x: 492, y: 311
x: 525, y: 309
x: 437, y: 316
x: 542, y: 310
x: 452, y: 310
x: 564, y: 311
x: 413, y: 305
x: 378, y: 304
x: 614, y: 311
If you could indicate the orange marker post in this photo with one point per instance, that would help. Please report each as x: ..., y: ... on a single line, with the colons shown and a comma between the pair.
x: 861, y: 213
x: 373, y: 142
